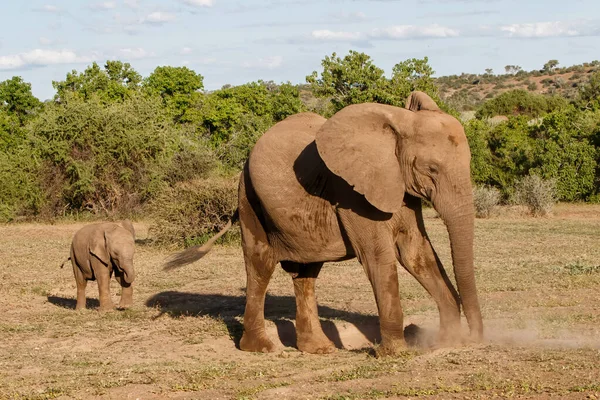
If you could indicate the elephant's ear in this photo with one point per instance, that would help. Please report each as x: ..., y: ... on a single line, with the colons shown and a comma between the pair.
x: 98, y: 246
x: 129, y: 226
x: 359, y: 144
x: 418, y: 101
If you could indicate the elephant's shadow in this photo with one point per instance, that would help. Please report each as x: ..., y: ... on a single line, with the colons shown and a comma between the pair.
x: 71, y: 303
x: 278, y: 309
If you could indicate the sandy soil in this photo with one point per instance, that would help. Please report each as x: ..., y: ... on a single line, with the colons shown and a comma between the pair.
x: 538, y: 279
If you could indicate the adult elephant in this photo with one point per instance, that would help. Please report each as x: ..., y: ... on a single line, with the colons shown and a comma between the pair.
x: 316, y: 190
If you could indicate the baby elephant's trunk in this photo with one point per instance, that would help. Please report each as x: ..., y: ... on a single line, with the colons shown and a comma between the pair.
x: 128, y: 273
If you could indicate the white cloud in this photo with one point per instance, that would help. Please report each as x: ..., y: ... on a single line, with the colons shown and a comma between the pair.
x: 107, y: 5
x: 271, y: 62
x: 327, y: 35
x: 44, y: 41
x: 132, y: 3
x: 186, y: 50
x: 349, y: 17
x: 158, y: 18
x: 41, y: 57
x: 136, y: 53
x: 50, y: 8
x: 392, y: 32
x: 547, y: 29
x: 199, y: 3
x: 413, y: 31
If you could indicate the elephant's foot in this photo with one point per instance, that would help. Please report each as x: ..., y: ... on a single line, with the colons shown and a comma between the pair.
x: 125, y: 303
x: 106, y: 307
x: 257, y: 342
x: 450, y: 335
x: 391, y: 348
x: 315, y: 344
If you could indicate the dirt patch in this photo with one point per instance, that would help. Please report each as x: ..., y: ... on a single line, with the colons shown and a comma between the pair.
x: 538, y: 287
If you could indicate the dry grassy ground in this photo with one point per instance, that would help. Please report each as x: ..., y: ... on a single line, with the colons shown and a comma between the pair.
x: 539, y: 282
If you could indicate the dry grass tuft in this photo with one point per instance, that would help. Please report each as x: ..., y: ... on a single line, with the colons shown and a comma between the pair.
x: 486, y: 200
x: 191, y: 212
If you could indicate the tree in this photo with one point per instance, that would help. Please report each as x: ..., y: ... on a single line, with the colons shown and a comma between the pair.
x: 489, y: 71
x: 170, y: 81
x: 17, y: 99
x: 550, y: 65
x: 410, y: 75
x: 116, y: 82
x: 589, y: 95
x: 355, y: 79
x: 351, y: 80
x: 512, y: 69
x: 179, y: 87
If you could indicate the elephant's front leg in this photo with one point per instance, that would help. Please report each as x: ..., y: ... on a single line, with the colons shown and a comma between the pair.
x: 126, y: 291
x: 418, y: 257
x: 102, y: 274
x: 383, y: 274
x: 309, y: 333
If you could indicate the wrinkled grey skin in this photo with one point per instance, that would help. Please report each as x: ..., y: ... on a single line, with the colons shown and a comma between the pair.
x: 98, y: 251
x: 316, y: 190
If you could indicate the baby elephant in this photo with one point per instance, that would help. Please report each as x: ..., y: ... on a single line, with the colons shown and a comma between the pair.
x: 97, y: 251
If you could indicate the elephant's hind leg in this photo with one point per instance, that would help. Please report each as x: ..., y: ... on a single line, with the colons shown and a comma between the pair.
x: 259, y: 268
x: 309, y: 333
x: 81, y: 285
x: 260, y: 264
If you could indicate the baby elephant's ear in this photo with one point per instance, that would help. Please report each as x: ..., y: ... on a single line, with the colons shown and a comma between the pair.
x: 98, y: 246
x: 129, y: 226
x: 418, y: 101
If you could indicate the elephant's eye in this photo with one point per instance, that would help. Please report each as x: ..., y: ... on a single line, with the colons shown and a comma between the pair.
x: 433, y: 169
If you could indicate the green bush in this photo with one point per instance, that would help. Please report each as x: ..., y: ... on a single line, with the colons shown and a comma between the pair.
x: 20, y: 192
x: 191, y: 212
x: 478, y: 133
x: 111, y: 157
x: 566, y: 155
x: 521, y: 102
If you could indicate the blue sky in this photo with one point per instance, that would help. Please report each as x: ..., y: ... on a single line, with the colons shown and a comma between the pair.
x: 238, y: 41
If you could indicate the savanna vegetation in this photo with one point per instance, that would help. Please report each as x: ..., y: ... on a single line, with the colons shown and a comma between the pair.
x: 112, y: 143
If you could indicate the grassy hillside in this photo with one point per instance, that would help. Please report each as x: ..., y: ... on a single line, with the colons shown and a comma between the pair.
x: 467, y: 92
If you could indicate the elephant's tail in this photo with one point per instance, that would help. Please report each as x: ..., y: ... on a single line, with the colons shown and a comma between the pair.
x: 66, y: 261
x: 195, y: 253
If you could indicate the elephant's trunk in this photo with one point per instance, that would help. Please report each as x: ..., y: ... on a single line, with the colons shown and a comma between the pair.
x: 128, y: 272
x: 460, y: 221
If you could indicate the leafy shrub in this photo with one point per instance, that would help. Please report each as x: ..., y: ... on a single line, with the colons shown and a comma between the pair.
x: 191, y: 212
x: 521, y: 102
x: 567, y: 155
x: 463, y: 100
x: 235, y: 117
x: 486, y: 199
x: 478, y: 133
x: 537, y: 194
x: 111, y: 158
x: 20, y: 192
